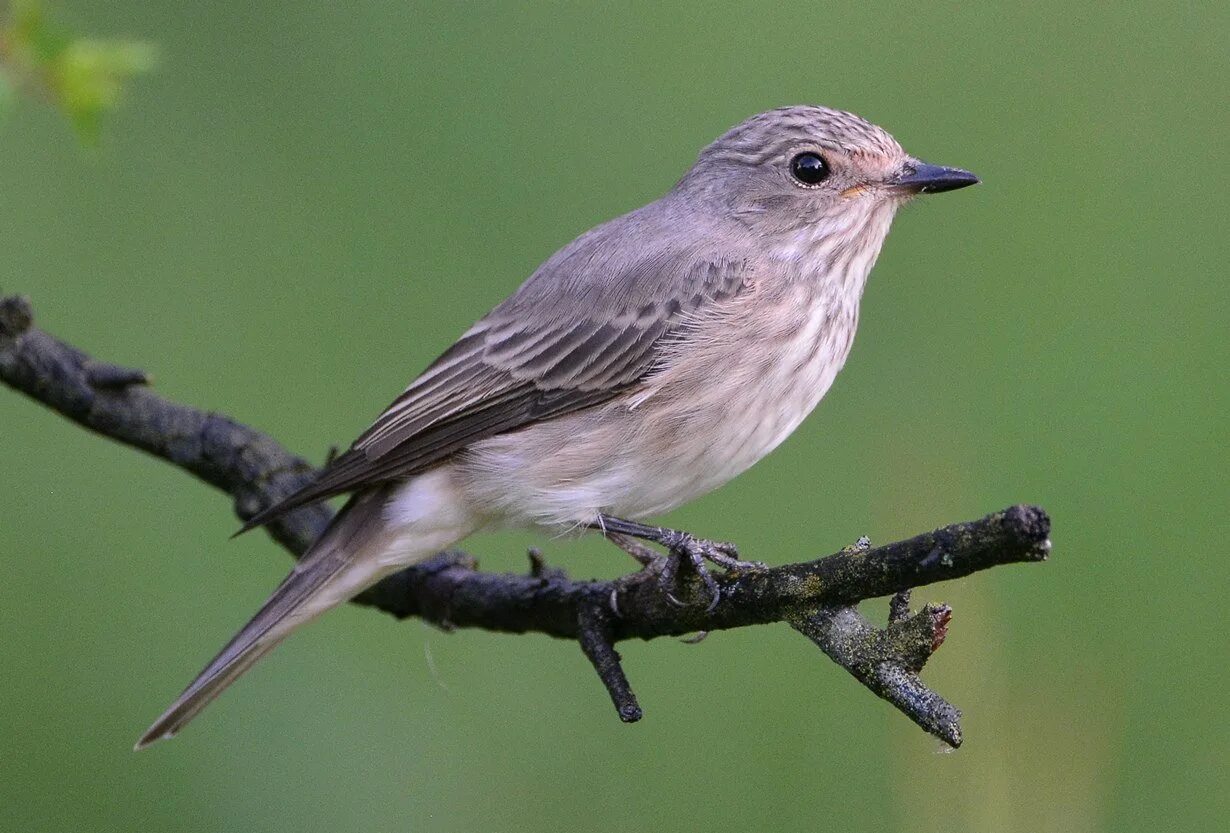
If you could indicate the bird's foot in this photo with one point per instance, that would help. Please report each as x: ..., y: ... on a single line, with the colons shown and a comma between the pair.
x: 691, y: 553
x: 685, y: 552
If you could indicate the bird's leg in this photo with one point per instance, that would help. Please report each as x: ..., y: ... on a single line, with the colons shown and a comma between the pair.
x: 684, y: 548
x: 648, y: 558
x: 645, y: 556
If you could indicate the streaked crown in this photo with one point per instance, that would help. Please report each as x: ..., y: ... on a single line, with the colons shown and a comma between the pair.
x: 768, y: 135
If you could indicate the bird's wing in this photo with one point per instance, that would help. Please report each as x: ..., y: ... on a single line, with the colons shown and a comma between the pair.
x: 564, y: 341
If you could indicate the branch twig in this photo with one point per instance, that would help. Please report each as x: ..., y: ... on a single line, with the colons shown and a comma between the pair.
x: 816, y: 597
x: 888, y: 661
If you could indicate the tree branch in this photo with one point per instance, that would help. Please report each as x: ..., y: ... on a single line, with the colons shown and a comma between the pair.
x: 815, y: 597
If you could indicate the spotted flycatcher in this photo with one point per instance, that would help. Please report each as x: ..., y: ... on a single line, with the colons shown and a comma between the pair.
x: 644, y: 364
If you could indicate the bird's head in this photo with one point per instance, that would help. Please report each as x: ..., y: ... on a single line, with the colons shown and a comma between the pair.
x: 812, y: 173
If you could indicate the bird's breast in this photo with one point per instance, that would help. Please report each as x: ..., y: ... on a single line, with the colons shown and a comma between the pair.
x: 791, y: 364
x: 742, y: 387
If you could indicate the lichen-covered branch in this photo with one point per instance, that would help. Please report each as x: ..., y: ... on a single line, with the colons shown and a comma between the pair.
x: 888, y: 660
x: 816, y: 597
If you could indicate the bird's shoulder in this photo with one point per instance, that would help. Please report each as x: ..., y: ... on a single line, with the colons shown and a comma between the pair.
x: 660, y: 254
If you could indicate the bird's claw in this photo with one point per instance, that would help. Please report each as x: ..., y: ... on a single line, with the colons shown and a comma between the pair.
x: 694, y: 552
x: 726, y: 556
x: 722, y: 553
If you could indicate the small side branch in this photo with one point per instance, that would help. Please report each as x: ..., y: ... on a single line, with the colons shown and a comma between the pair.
x: 597, y: 641
x: 888, y: 660
x: 817, y: 596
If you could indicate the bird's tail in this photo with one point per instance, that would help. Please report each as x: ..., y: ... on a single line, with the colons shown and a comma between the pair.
x: 337, y: 567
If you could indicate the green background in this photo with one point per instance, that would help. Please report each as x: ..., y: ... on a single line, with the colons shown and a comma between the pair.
x: 308, y: 201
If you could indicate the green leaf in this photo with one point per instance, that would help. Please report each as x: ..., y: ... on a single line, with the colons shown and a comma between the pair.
x: 90, y: 74
x: 84, y: 76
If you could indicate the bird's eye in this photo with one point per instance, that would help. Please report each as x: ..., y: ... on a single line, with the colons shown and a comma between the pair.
x: 809, y: 168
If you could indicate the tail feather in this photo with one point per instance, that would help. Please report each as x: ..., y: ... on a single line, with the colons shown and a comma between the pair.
x: 200, y: 694
x: 333, y: 570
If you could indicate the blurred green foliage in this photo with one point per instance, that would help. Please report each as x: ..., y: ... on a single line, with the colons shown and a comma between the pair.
x: 311, y: 200
x: 84, y: 76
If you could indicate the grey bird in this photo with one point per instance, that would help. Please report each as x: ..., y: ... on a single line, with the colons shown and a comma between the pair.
x: 644, y: 364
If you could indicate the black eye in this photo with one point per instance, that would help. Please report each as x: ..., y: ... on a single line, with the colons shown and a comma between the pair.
x: 809, y: 168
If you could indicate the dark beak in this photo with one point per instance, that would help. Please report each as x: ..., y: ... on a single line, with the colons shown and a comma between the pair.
x: 921, y: 178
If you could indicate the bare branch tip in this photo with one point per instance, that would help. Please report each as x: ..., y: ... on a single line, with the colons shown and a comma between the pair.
x: 899, y: 607
x: 16, y: 316
x: 940, y: 616
x: 103, y: 375
x: 538, y: 564
x: 596, y: 638
x: 1031, y: 525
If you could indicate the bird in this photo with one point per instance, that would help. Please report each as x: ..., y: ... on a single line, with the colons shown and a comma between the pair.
x: 644, y: 364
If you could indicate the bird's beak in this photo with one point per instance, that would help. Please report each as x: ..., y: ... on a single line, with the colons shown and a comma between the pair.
x: 920, y: 178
